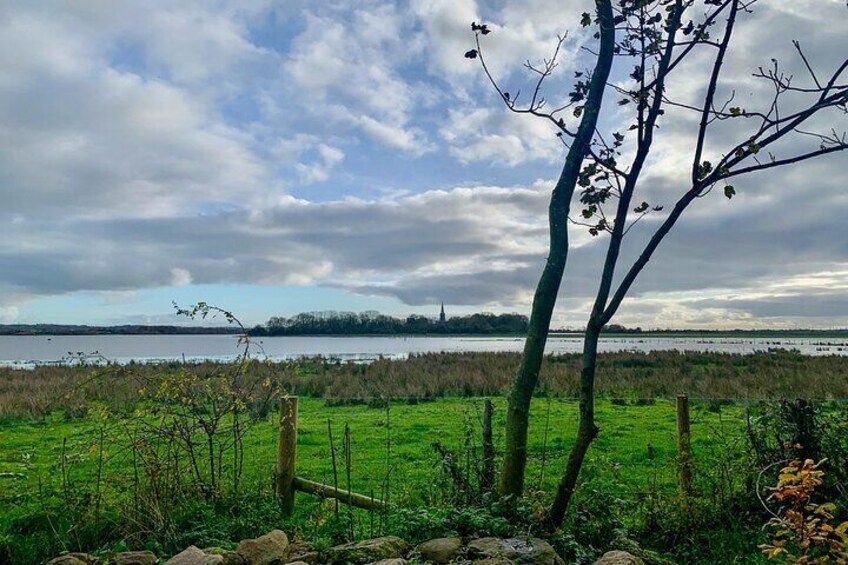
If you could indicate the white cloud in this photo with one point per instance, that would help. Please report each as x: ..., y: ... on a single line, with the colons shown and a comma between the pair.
x: 522, y: 30
x: 180, y: 277
x: 85, y: 138
x: 319, y: 171
x: 8, y: 314
x: 312, y: 159
x: 411, y: 140
x: 353, y: 64
x: 498, y: 136
x: 194, y: 45
x: 447, y: 24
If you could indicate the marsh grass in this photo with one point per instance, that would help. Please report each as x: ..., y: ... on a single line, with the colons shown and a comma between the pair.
x: 780, y: 374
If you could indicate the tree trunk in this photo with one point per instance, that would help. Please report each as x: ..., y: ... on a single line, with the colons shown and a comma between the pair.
x: 586, y: 431
x: 518, y: 410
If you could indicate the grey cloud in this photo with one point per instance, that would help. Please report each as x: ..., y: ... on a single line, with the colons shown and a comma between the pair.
x: 795, y: 306
x: 296, y: 242
x: 505, y: 287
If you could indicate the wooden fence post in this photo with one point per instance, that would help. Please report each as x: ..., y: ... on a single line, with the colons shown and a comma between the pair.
x: 286, y: 454
x: 488, y: 447
x: 684, y: 445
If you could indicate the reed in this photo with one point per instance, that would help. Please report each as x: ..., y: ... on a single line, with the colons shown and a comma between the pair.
x: 782, y: 374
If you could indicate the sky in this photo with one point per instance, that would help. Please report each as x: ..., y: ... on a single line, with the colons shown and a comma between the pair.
x: 275, y: 157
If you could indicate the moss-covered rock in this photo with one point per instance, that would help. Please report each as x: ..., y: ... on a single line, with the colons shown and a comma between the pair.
x: 134, y: 558
x: 195, y: 556
x: 270, y: 549
x: 440, y: 550
x: 367, y: 551
x: 520, y: 550
x: 619, y: 558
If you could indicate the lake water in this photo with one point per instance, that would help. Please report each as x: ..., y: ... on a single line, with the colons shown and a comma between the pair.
x: 28, y: 351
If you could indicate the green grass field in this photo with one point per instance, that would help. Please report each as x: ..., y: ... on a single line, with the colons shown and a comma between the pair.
x: 30, y: 451
x: 633, y: 458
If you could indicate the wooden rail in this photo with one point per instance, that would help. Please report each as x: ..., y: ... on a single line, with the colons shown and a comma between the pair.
x: 327, y: 491
x: 285, y: 480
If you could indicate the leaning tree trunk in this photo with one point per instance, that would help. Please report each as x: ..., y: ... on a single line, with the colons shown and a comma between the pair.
x: 587, y: 429
x: 518, y: 411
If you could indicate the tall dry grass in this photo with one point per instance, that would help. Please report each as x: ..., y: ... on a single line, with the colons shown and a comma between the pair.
x: 31, y: 394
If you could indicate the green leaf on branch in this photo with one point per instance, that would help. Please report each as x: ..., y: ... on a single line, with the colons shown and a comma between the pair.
x: 729, y: 191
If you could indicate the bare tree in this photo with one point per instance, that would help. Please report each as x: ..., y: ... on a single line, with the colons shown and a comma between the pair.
x: 655, y: 38
x: 588, y: 96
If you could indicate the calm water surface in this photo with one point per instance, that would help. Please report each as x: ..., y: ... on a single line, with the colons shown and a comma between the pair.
x: 27, y: 351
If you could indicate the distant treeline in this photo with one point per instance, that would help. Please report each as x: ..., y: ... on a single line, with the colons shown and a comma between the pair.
x: 619, y: 329
x: 374, y: 323
x: 134, y: 329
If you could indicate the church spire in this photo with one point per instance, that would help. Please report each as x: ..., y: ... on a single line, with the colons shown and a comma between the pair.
x: 442, y: 314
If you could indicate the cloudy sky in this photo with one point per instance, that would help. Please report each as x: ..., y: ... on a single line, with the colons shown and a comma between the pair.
x: 283, y: 156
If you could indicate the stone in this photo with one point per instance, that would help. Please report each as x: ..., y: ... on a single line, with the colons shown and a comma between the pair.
x: 367, y: 551
x: 397, y: 561
x: 619, y: 558
x: 308, y: 557
x: 520, y: 550
x: 229, y: 557
x: 195, y: 556
x: 629, y: 546
x: 72, y: 559
x: 134, y: 558
x: 298, y: 563
x: 270, y: 549
x: 441, y: 550
x: 494, y: 561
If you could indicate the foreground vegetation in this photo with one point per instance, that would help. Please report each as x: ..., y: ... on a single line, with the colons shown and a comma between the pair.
x: 87, y: 457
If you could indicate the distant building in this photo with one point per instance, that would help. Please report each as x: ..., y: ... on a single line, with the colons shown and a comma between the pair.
x: 442, y: 314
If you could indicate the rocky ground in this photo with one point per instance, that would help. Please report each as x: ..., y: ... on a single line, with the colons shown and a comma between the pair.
x: 274, y: 548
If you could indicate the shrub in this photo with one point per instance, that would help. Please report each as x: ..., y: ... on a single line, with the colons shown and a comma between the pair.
x: 802, y: 529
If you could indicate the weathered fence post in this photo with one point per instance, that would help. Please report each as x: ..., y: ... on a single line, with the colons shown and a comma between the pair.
x: 684, y: 445
x: 287, y: 454
x: 488, y: 447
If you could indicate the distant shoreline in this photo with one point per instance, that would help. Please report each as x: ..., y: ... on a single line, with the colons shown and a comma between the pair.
x: 49, y: 330
x: 69, y: 330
